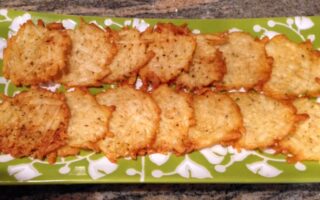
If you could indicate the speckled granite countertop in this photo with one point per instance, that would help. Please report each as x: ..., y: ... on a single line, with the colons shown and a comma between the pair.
x: 167, y: 9
x: 171, y: 8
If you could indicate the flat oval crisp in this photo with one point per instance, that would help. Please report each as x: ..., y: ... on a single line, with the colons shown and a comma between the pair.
x: 173, y: 47
x: 133, y: 124
x: 303, y: 143
x: 175, y: 119
x: 266, y: 120
x: 36, y: 54
x: 218, y: 120
x: 207, y: 65
x: 88, y: 123
x: 92, y: 51
x: 33, y: 123
x: 132, y: 55
x: 248, y: 65
x: 296, y: 70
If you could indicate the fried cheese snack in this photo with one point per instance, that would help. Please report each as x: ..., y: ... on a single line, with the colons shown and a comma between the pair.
x: 92, y: 51
x: 295, y: 70
x: 133, y: 124
x: 303, y: 143
x: 175, y: 119
x: 173, y: 47
x: 36, y: 54
x: 266, y: 120
x: 207, y: 65
x: 132, y: 55
x: 88, y: 122
x: 248, y: 65
x: 33, y: 123
x: 218, y: 120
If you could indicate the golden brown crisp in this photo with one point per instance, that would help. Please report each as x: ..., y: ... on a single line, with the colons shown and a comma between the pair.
x: 295, y: 70
x: 67, y: 151
x: 33, y: 123
x: 175, y: 119
x: 36, y: 54
x: 207, y: 65
x: 303, y: 143
x: 266, y: 120
x: 173, y: 47
x: 88, y: 122
x: 92, y: 51
x: 132, y: 55
x: 218, y: 120
x: 248, y: 65
x: 133, y: 124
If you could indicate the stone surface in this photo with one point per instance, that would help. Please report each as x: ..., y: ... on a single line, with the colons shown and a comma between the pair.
x: 167, y: 9
x: 166, y: 191
x: 171, y: 8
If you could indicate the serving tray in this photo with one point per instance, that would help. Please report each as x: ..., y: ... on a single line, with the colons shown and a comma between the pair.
x: 217, y: 164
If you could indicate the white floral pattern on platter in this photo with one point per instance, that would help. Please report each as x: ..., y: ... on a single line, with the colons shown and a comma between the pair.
x: 96, y: 169
x: 217, y: 154
x: 4, y: 15
x: 296, y: 25
x: 187, y: 169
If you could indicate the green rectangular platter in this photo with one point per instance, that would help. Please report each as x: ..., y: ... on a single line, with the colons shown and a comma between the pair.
x: 212, y: 165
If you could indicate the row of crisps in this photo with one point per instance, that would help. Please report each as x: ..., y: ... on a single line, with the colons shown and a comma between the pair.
x: 125, y: 122
x: 90, y: 56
